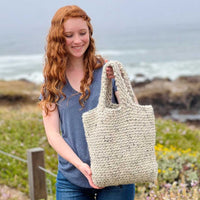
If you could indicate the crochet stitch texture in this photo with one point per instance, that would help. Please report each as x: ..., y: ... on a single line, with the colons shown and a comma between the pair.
x: 120, y: 137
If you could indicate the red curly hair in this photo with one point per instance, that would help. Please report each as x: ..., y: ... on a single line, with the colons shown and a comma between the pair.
x: 56, y: 59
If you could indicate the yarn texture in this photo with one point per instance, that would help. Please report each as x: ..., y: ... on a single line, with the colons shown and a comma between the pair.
x: 120, y: 137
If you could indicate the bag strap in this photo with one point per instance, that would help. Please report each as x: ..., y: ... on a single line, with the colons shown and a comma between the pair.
x: 123, y: 84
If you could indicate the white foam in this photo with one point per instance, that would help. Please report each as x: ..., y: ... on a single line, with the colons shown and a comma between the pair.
x: 30, y: 67
x: 35, y: 77
x: 14, y: 67
x: 110, y: 52
x: 171, y: 69
x: 10, y: 61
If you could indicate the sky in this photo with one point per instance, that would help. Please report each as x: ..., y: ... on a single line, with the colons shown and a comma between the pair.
x: 31, y: 18
x: 25, y: 14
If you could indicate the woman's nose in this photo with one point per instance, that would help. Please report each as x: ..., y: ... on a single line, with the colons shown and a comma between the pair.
x: 77, y: 39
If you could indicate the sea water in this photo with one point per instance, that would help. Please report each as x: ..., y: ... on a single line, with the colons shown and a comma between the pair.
x: 166, y: 52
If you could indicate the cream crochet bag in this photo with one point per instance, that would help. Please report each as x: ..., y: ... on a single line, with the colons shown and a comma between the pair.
x: 120, y: 137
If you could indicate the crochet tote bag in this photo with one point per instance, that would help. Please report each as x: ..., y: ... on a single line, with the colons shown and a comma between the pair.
x: 120, y: 137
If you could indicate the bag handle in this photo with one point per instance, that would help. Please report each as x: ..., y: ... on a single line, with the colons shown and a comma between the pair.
x: 123, y: 84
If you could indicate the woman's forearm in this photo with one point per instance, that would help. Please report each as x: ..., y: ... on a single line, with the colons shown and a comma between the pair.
x: 63, y: 149
x: 52, y: 129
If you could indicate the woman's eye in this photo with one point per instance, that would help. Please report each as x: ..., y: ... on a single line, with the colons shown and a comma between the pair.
x: 82, y: 33
x: 68, y: 36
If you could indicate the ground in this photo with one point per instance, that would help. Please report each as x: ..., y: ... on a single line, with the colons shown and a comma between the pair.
x: 7, y: 193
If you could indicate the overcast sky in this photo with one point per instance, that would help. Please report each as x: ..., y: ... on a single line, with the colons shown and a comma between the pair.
x: 31, y: 18
x: 20, y: 15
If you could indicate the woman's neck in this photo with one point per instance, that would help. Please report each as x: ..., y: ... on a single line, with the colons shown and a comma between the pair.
x: 76, y: 63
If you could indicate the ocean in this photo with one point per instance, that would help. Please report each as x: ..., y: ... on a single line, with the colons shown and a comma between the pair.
x: 166, y: 52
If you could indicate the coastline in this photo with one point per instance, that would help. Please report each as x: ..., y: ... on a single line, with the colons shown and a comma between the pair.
x: 18, y: 92
x: 177, y: 99
x: 21, y: 119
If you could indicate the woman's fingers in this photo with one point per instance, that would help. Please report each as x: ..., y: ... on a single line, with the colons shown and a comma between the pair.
x: 92, y: 184
x: 86, y: 170
x: 109, y: 72
x: 89, y: 177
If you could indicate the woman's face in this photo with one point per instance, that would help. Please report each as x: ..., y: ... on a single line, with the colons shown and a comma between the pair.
x: 77, y: 37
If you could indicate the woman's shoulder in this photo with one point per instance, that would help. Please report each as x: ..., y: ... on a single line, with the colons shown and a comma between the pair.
x: 99, y: 67
x: 98, y: 71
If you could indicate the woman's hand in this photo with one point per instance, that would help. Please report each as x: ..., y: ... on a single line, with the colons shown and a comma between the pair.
x: 109, y: 72
x: 87, y: 172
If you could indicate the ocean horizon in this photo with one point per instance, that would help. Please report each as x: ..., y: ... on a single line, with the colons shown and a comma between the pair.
x: 165, y: 53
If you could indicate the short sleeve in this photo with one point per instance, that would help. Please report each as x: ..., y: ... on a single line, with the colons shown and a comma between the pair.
x: 40, y: 98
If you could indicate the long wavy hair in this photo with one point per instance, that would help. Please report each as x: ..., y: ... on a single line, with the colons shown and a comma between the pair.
x: 57, y: 58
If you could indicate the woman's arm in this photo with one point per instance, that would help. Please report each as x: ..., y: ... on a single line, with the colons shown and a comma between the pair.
x: 52, y: 129
x: 110, y: 75
x: 118, y: 98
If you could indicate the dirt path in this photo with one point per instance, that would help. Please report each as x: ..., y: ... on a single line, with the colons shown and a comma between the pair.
x: 7, y: 193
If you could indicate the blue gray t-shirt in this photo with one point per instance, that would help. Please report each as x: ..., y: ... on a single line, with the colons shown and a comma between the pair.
x: 70, y: 113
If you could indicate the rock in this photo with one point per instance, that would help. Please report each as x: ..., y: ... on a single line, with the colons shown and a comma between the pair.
x: 140, y: 83
x: 164, y: 95
x: 15, y: 92
x: 191, y: 79
x: 24, y: 80
x: 140, y: 75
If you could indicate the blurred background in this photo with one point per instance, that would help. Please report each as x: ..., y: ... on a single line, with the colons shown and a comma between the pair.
x: 159, y: 44
x: 155, y: 38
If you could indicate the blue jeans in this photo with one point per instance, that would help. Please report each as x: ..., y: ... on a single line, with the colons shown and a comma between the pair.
x: 68, y: 191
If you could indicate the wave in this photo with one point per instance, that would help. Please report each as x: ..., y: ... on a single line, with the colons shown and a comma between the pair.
x: 19, y: 60
x: 35, y: 77
x: 167, y: 69
x: 14, y: 67
x: 111, y: 52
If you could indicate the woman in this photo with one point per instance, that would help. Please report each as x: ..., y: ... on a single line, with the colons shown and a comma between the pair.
x: 72, y: 81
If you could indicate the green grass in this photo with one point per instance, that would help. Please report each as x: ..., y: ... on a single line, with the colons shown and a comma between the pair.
x: 21, y: 128
x: 177, y: 134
